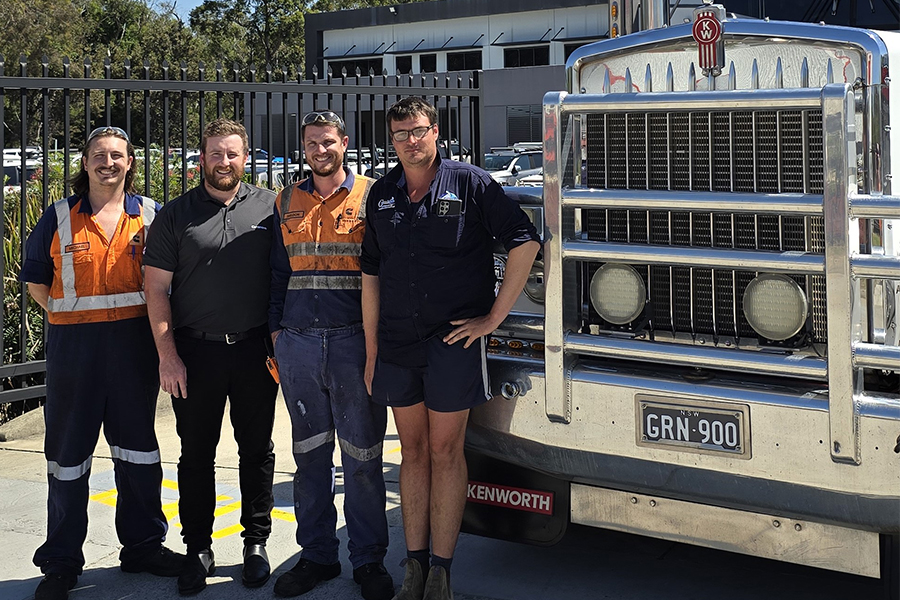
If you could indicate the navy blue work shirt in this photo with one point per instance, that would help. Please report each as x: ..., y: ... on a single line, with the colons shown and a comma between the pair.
x: 434, y: 258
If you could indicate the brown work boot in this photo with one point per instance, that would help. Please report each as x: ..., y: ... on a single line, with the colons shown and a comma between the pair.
x: 437, y: 587
x: 413, y: 582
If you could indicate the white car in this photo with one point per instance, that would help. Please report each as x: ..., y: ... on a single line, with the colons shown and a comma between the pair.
x: 507, y: 167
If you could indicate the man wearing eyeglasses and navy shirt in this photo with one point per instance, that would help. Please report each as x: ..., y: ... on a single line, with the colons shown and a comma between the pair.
x: 428, y: 303
x: 315, y: 316
x: 83, y: 266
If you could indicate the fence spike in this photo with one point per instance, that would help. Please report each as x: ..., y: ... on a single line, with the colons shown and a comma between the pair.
x: 23, y: 59
x: 87, y: 61
x: 146, y: 63
x: 106, y: 61
x: 127, y: 63
x: 384, y: 73
x: 45, y: 60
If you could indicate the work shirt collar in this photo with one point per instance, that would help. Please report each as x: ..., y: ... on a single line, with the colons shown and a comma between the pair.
x: 398, y: 175
x: 132, y: 205
x: 349, y: 179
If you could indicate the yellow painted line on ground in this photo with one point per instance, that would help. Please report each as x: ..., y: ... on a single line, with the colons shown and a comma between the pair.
x: 227, y: 531
x: 169, y: 484
x: 108, y: 497
x: 170, y: 510
x: 228, y: 508
x: 283, y: 515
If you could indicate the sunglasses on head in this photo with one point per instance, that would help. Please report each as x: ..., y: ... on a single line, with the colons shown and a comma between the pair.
x: 107, y: 130
x: 326, y: 116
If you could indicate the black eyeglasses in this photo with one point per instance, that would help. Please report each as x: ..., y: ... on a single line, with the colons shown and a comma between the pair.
x: 326, y: 116
x: 403, y: 134
x: 107, y: 130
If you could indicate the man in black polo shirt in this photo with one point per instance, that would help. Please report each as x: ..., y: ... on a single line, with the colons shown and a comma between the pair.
x: 211, y: 247
x: 428, y: 301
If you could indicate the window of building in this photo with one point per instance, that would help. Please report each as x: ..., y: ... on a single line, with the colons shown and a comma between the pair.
x: 570, y: 48
x: 528, y: 56
x: 523, y: 124
x: 428, y: 63
x: 464, y: 61
x: 364, y: 64
x: 404, y: 65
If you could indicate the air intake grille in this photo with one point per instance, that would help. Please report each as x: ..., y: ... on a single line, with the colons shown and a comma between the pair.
x: 739, y: 151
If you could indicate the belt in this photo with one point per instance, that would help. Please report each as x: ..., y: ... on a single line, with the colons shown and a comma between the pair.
x: 228, y: 338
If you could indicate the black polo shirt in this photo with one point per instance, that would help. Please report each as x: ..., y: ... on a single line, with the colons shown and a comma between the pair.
x: 434, y: 259
x: 219, y: 257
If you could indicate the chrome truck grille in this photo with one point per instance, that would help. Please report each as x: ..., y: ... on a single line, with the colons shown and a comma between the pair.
x: 734, y: 151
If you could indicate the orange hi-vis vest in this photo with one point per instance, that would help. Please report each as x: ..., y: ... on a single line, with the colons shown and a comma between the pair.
x: 95, y: 279
x: 323, y: 236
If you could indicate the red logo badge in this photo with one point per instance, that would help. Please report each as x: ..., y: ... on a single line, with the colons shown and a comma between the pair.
x: 707, y: 31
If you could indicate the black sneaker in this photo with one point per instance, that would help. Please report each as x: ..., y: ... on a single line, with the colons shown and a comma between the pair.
x: 162, y: 563
x: 374, y: 581
x: 303, y: 577
x: 55, y: 586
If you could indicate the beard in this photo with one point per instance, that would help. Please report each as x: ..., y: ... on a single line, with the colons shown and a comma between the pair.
x: 326, y: 170
x: 223, y: 183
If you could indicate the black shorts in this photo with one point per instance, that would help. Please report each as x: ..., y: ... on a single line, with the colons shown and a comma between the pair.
x: 453, y: 378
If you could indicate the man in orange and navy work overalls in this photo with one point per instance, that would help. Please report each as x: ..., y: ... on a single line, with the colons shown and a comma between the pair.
x: 83, y: 266
x: 315, y: 316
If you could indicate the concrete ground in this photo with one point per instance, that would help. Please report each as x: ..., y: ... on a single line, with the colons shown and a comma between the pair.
x: 587, y: 564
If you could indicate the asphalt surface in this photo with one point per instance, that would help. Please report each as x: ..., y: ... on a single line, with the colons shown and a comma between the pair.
x: 587, y: 564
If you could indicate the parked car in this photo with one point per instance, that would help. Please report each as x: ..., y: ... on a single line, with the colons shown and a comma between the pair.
x: 295, y: 173
x: 508, y: 166
x: 451, y: 149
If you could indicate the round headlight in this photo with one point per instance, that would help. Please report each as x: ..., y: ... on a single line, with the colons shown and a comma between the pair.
x: 618, y: 293
x: 534, y: 286
x: 775, y: 306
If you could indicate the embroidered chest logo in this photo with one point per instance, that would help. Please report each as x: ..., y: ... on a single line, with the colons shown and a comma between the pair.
x: 80, y: 247
x: 449, y: 205
x: 386, y: 204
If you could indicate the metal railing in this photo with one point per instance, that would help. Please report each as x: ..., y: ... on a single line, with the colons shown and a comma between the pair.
x: 164, y: 110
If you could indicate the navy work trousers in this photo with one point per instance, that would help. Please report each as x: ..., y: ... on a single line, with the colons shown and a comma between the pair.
x: 323, y: 386
x: 216, y: 370
x: 101, y: 373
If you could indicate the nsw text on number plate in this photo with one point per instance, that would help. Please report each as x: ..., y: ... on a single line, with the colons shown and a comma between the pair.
x: 702, y: 426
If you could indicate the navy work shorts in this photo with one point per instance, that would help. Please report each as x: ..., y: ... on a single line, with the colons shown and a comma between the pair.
x: 451, y: 379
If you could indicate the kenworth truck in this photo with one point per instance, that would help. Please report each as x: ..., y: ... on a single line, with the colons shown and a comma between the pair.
x: 708, y: 351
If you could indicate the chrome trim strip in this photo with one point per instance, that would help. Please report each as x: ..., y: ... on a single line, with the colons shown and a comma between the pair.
x: 876, y: 266
x: 876, y: 356
x: 805, y: 367
x: 745, y: 100
x: 712, y: 258
x: 874, y: 207
x: 844, y: 382
x: 735, y: 202
x: 557, y: 401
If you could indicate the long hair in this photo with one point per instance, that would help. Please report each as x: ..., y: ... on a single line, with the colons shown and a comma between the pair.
x: 81, y: 183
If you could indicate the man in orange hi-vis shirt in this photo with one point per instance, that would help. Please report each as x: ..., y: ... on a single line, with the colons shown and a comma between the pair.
x: 83, y: 266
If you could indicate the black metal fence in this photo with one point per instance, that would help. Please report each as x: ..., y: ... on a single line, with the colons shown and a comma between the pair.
x: 46, y: 110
